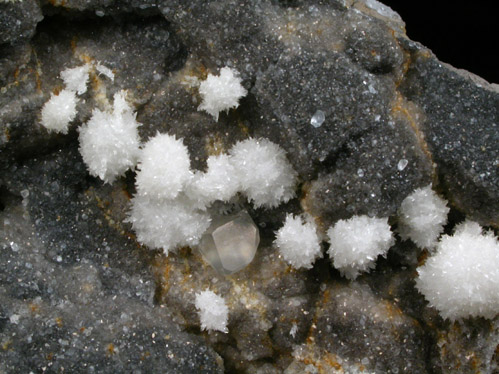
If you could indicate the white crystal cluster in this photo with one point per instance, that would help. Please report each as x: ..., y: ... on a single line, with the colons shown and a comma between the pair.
x: 213, y: 312
x: 298, y: 242
x: 76, y: 78
x: 357, y: 242
x: 60, y: 110
x: 219, y: 182
x: 462, y: 278
x: 109, y: 141
x: 264, y: 173
x: 164, y: 168
x: 354, y: 247
x: 162, y: 216
x: 167, y: 224
x: 422, y: 217
x: 221, y: 93
x: 169, y: 209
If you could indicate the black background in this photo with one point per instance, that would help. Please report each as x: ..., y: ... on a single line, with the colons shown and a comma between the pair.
x: 463, y: 34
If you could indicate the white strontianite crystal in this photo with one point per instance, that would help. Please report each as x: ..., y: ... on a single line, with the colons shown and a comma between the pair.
x: 14, y: 318
x: 422, y: 216
x: 109, y: 141
x: 294, y: 330
x: 218, y: 183
x: 167, y: 224
x: 357, y: 242
x: 266, y: 176
x: 298, y: 242
x: 462, y: 278
x: 230, y: 243
x: 402, y: 164
x: 76, y: 79
x: 221, y: 92
x: 59, y: 111
x: 164, y: 167
x: 318, y: 119
x: 213, y: 312
x: 104, y: 70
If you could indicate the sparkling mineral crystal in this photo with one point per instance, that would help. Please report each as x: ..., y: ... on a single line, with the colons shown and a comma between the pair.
x: 230, y: 242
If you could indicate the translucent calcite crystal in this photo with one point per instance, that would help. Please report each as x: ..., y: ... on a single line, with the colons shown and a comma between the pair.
x: 230, y: 243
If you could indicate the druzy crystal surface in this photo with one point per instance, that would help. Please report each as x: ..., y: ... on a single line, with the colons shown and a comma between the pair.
x: 230, y: 243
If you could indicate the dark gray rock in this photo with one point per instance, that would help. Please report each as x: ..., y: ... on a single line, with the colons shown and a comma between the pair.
x: 226, y: 33
x: 289, y: 93
x: 374, y: 48
x: 460, y: 125
x: 18, y: 20
x: 363, y: 330
x: 371, y: 175
x: 76, y: 293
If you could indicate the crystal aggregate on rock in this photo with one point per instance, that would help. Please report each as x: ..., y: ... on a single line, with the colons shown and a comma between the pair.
x: 77, y: 292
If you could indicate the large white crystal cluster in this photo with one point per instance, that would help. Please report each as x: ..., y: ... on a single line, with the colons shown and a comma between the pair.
x: 161, y: 214
x: 462, y: 278
x: 164, y: 168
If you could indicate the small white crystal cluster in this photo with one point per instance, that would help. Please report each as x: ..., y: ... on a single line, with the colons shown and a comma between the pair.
x: 221, y: 93
x: 263, y: 171
x: 357, y: 242
x: 298, y: 242
x: 462, y: 278
x: 212, y: 310
x: 422, y: 217
x: 60, y: 110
